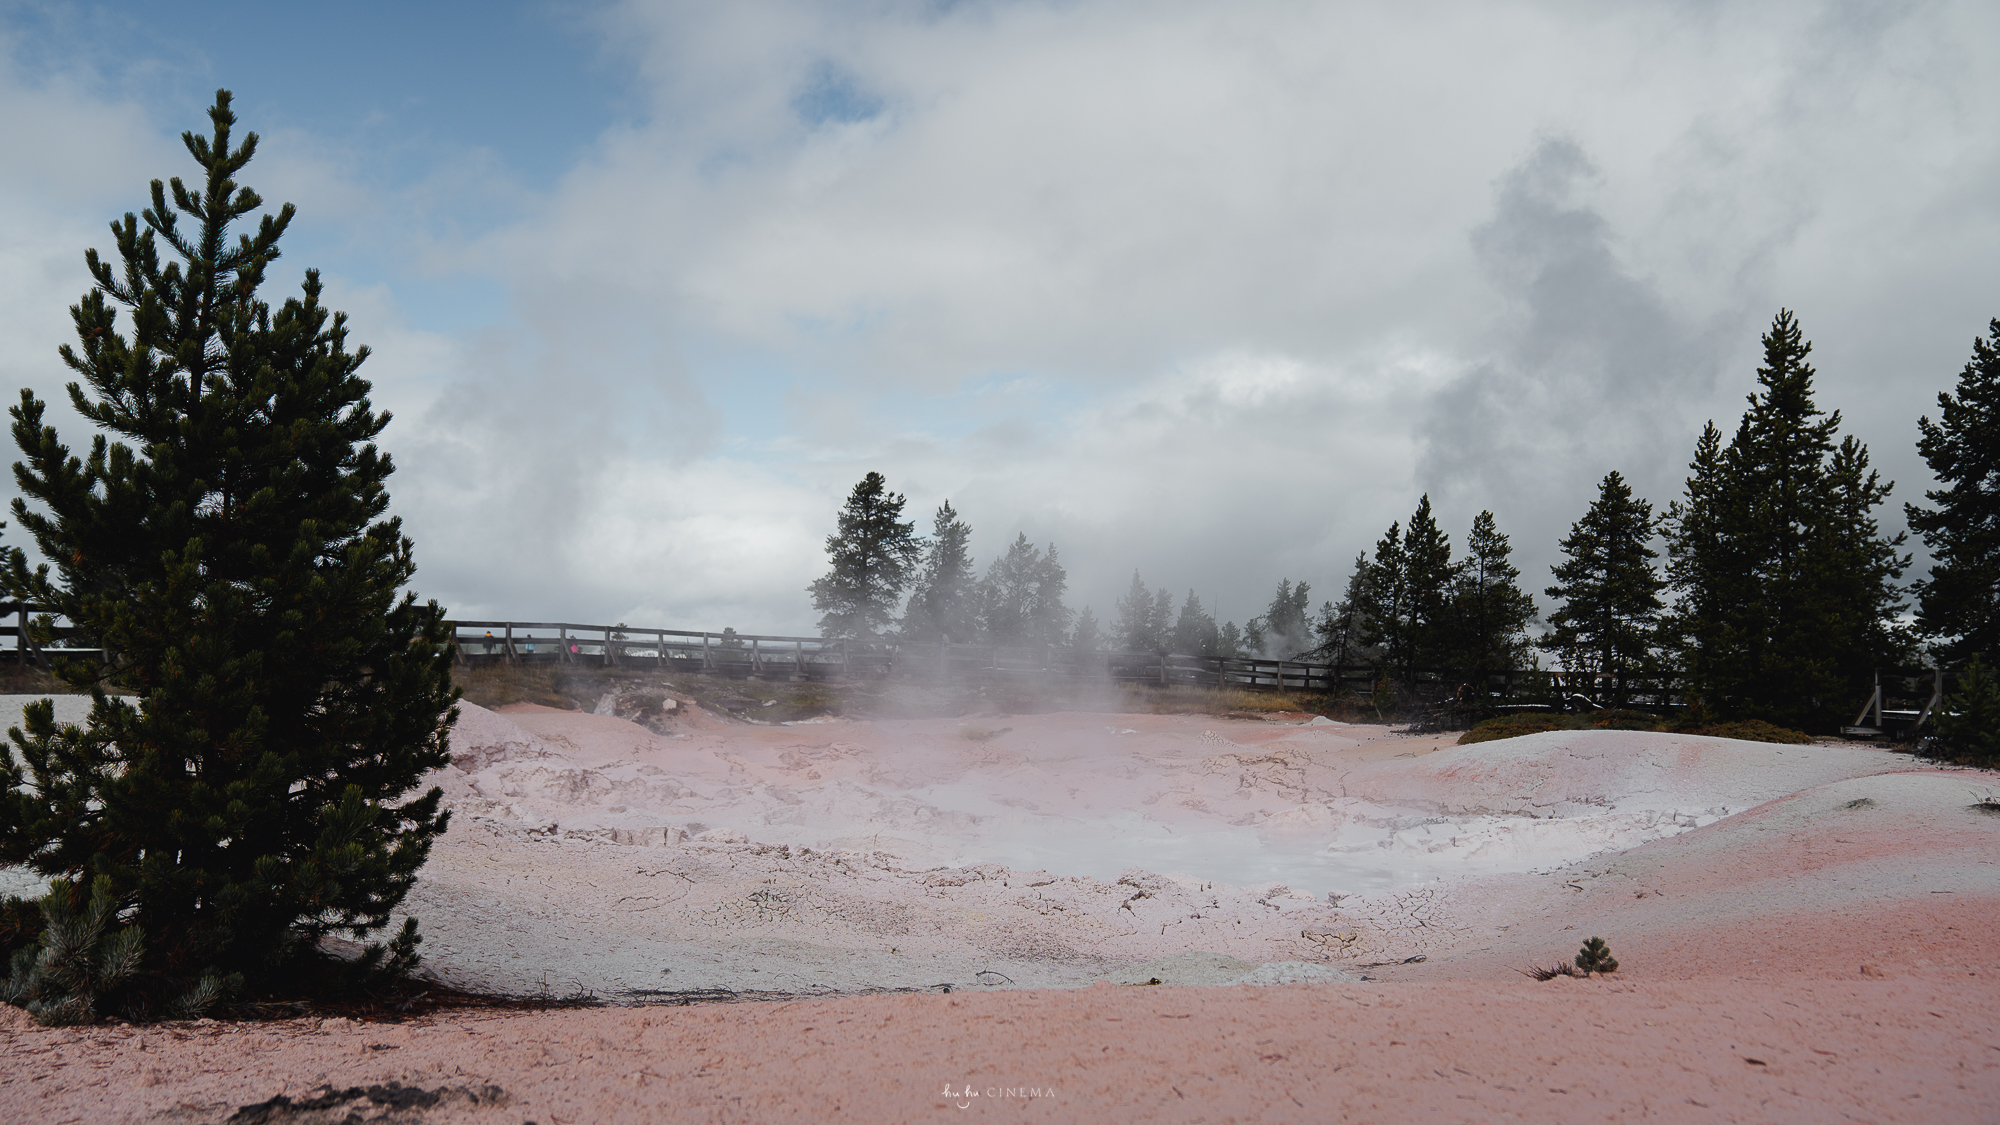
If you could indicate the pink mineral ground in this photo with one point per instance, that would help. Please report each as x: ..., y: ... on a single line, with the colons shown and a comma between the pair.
x: 1806, y: 934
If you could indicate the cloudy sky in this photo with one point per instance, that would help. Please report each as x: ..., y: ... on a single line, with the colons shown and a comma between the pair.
x: 1215, y: 291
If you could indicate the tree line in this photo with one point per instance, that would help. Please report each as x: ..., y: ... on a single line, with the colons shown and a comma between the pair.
x: 1767, y: 589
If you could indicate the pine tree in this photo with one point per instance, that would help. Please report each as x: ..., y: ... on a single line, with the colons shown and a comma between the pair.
x: 226, y: 546
x: 1342, y: 624
x: 1049, y: 618
x: 1160, y: 621
x: 1195, y: 632
x: 1409, y: 596
x: 1788, y: 587
x: 1229, y: 641
x: 1022, y: 597
x: 1608, y: 620
x: 1384, y: 611
x: 1968, y: 727
x: 1286, y: 627
x: 1089, y: 636
x: 1703, y: 575
x: 1958, y: 606
x: 1490, y: 611
x: 1007, y: 594
x: 1137, y: 628
x: 944, y: 606
x: 873, y: 553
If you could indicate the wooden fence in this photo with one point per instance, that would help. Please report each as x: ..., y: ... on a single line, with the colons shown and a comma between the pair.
x: 815, y: 658
x: 17, y: 646
x: 1902, y: 697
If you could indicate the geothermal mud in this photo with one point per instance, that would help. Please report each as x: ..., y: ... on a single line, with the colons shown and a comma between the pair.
x: 1807, y: 933
x: 597, y: 857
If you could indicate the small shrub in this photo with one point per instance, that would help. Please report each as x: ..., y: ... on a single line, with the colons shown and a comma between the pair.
x: 1968, y: 728
x: 1514, y: 726
x: 1595, y: 957
x: 1745, y: 730
x: 80, y: 967
x: 1621, y: 719
x: 1550, y: 973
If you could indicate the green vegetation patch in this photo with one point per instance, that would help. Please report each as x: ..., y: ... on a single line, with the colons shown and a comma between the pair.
x: 1514, y: 726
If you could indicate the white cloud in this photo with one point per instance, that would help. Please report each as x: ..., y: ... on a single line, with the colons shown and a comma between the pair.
x: 1213, y: 291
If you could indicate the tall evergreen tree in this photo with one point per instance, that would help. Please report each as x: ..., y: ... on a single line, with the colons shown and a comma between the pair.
x: 1049, y: 618
x: 1702, y: 574
x: 226, y: 545
x: 1089, y: 636
x: 1490, y: 611
x: 874, y: 554
x: 1022, y: 596
x: 1138, y: 623
x: 1383, y: 609
x: 1287, y: 626
x: 1798, y: 595
x: 1195, y: 632
x: 1342, y: 623
x: 1007, y: 593
x: 944, y: 606
x: 1607, y: 622
x: 1160, y: 620
x: 1409, y: 604
x: 1229, y: 640
x: 1958, y: 606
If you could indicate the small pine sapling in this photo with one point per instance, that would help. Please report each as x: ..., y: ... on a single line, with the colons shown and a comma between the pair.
x: 78, y: 967
x: 1969, y: 725
x: 1595, y: 957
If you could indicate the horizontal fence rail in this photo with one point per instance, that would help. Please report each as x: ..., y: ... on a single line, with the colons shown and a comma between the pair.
x: 760, y: 656
x: 1903, y: 697
x: 19, y: 646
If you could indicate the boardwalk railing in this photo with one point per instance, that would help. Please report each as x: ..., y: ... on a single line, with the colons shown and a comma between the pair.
x: 817, y: 658
x: 17, y: 646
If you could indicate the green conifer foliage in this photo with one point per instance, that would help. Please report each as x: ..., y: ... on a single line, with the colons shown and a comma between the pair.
x: 944, y: 605
x: 1609, y: 618
x: 226, y: 545
x: 1490, y: 611
x: 1595, y: 957
x: 1287, y: 628
x: 1195, y: 631
x: 1969, y: 725
x: 1089, y: 636
x: 1787, y: 586
x: 1342, y: 624
x: 1698, y: 571
x: 874, y: 555
x: 1022, y: 597
x: 1408, y: 609
x: 1959, y: 604
x: 1138, y: 627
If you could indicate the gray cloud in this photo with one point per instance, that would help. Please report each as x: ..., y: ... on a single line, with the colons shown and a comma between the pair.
x: 1594, y: 369
x: 1210, y: 291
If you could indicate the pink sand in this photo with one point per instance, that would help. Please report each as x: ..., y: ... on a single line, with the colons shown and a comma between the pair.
x: 1808, y: 933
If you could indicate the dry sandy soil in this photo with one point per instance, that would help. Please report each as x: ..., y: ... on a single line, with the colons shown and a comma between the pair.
x: 1174, y: 918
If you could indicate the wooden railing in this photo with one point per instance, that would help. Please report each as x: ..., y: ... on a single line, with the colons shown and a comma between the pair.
x: 792, y: 657
x: 18, y: 646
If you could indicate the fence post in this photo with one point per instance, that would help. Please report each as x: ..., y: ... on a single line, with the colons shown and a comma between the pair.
x: 23, y: 648
x: 661, y: 651
x: 707, y: 661
x: 508, y: 646
x: 609, y: 660
x: 756, y: 659
x: 798, y: 660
